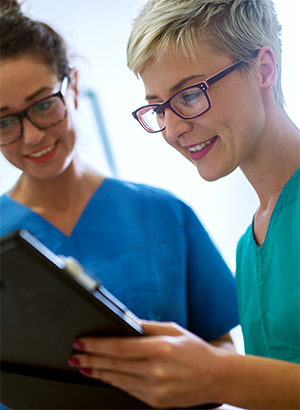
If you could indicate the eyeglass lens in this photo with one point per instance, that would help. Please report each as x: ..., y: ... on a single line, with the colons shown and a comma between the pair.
x: 43, y: 114
x: 189, y: 103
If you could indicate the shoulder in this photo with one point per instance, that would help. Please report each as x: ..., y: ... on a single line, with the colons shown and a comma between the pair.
x: 4, y: 199
x: 149, y: 200
x: 7, y: 207
x: 8, y: 214
x: 291, y: 190
x: 144, y: 192
x: 138, y: 188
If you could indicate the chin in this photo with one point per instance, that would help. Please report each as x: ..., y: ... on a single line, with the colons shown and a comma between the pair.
x: 209, y: 178
x: 210, y: 175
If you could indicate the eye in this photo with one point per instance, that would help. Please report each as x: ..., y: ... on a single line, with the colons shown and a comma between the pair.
x: 8, y: 123
x: 42, y: 106
x: 158, y: 111
x: 189, y: 96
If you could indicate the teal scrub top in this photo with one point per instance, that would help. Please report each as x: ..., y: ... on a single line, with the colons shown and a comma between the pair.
x: 268, y: 281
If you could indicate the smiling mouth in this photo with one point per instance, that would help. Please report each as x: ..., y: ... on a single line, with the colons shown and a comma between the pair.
x: 199, y: 147
x: 43, y: 152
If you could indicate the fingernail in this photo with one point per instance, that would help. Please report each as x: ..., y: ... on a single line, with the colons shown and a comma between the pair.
x: 73, y: 362
x: 86, y: 372
x: 106, y: 382
x: 78, y: 345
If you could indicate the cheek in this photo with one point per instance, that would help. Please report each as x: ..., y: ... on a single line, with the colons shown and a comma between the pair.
x: 238, y: 112
x: 249, y: 118
x: 64, y: 131
x: 172, y: 143
x: 178, y: 147
x: 11, y: 155
x: 70, y: 126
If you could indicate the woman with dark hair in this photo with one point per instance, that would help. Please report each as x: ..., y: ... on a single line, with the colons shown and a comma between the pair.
x: 147, y: 247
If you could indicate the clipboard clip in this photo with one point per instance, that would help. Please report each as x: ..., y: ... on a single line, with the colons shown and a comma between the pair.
x: 74, y: 269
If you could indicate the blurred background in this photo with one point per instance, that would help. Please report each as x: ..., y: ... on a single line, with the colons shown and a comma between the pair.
x: 96, y: 32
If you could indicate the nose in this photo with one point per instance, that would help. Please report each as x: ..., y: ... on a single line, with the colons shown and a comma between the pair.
x: 175, y: 126
x: 31, y: 133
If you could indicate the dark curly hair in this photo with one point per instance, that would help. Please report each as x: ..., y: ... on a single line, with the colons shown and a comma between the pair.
x: 21, y: 35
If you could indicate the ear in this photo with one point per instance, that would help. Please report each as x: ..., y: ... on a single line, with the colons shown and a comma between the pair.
x: 266, y: 65
x: 74, y: 85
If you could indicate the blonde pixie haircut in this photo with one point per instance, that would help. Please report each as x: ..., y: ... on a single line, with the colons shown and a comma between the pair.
x: 237, y: 28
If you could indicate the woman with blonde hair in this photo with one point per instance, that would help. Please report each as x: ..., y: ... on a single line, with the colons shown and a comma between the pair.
x: 212, y: 76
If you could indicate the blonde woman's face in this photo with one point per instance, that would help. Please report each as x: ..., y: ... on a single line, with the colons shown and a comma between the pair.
x: 225, y: 136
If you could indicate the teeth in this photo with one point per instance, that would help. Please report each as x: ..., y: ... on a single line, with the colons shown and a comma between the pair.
x: 199, y: 147
x: 41, y: 153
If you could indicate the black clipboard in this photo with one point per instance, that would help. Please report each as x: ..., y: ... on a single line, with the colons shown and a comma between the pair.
x: 48, y: 301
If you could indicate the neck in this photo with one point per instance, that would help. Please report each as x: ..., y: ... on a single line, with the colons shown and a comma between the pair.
x: 276, y: 159
x: 58, y: 192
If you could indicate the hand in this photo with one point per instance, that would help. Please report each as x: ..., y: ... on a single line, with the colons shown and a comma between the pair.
x: 169, y: 367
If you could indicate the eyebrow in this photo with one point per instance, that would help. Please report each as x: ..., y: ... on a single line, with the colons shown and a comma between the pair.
x: 177, y: 86
x: 31, y: 96
x: 38, y: 92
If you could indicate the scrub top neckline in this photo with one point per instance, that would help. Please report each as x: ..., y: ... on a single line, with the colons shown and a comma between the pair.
x: 101, y: 187
x: 277, y: 208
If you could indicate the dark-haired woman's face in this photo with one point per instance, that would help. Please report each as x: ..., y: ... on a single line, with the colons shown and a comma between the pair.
x: 40, y: 153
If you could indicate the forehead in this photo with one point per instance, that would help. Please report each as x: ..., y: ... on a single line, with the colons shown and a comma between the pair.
x: 160, y: 76
x: 29, y: 67
x: 21, y: 77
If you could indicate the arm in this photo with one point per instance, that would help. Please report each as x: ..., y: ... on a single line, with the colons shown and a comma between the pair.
x: 172, y: 367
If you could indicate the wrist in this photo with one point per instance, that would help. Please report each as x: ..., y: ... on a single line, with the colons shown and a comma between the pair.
x: 225, y: 371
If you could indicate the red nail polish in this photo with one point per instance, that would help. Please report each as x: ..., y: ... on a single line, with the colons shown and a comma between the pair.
x: 86, y: 372
x: 78, y: 345
x: 73, y: 362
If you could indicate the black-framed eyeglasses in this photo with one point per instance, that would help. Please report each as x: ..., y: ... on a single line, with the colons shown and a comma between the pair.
x: 43, y: 114
x: 188, y: 103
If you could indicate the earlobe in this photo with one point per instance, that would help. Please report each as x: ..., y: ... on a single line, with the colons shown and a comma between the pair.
x: 267, y: 67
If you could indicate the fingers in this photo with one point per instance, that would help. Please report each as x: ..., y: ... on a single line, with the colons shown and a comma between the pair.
x: 154, y: 382
x: 146, y: 380
x: 126, y: 348
x: 133, y: 348
x: 161, y: 369
x: 107, y: 364
x: 151, y: 392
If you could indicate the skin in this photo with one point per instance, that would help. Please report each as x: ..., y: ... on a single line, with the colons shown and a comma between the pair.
x: 247, y: 127
x: 172, y: 367
x: 60, y: 187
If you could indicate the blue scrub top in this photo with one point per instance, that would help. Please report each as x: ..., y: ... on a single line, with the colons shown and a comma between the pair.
x: 149, y: 249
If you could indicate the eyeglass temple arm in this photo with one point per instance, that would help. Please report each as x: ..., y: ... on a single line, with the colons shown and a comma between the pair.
x: 212, y: 80
x: 64, y: 85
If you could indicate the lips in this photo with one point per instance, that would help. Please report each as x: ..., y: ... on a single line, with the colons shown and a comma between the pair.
x: 42, y: 154
x: 199, y: 151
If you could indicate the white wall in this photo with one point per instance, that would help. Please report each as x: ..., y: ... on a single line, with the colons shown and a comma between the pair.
x: 97, y: 30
